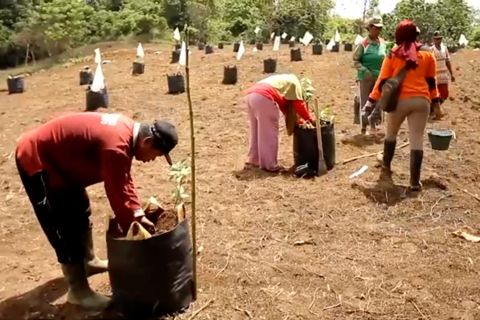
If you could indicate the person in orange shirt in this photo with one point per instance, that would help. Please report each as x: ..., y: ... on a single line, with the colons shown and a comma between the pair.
x: 417, y: 92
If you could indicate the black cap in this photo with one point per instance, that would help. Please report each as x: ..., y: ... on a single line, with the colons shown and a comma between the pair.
x: 165, y: 137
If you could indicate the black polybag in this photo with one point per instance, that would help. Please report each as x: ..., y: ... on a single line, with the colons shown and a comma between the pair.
x: 305, y: 149
x: 152, y: 277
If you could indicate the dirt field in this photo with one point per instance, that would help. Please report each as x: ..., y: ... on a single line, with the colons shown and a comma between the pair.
x: 367, y: 252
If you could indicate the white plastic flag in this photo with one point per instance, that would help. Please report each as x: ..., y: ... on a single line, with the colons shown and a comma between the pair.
x: 140, y: 52
x: 183, y: 54
x: 358, y: 40
x: 276, y: 43
x: 463, y: 40
x: 272, y: 35
x: 176, y: 34
x: 98, y: 57
x: 257, y: 30
x: 284, y: 35
x: 98, y: 83
x: 307, y: 38
x: 359, y: 172
x: 292, y: 38
x: 330, y: 44
x: 255, y: 49
x: 337, y: 36
x: 241, y: 50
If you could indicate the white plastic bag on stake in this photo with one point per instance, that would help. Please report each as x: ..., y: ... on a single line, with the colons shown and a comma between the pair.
x: 241, y: 50
x: 463, y: 40
x: 284, y: 35
x: 337, y: 36
x: 257, y: 30
x: 140, y: 51
x: 292, y: 38
x: 276, y: 43
x: 98, y: 83
x: 330, y: 44
x: 183, y: 54
x: 358, y: 40
x: 307, y: 38
x: 98, y: 56
x: 272, y: 35
x: 176, y: 34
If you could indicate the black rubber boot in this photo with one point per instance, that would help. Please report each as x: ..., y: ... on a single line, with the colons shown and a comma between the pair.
x: 388, y: 152
x: 416, y: 159
x: 79, y: 292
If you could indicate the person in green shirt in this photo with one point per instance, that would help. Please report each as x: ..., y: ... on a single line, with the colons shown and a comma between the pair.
x: 368, y: 58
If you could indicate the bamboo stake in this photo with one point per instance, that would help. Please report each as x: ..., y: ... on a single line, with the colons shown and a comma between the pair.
x: 192, y: 151
x: 322, y: 166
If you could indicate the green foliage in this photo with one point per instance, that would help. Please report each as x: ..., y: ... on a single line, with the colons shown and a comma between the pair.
x: 307, y: 89
x: 180, y: 173
x: 51, y: 26
x: 475, y: 39
x: 297, y: 17
x: 242, y: 16
x: 450, y: 17
x: 346, y: 27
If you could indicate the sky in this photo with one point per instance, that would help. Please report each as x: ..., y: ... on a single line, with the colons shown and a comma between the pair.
x: 354, y: 8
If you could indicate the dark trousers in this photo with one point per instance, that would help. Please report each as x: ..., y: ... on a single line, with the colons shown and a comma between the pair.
x: 63, y: 215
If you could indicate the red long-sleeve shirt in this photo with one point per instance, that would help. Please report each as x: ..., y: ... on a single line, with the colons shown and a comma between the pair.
x: 270, y: 92
x: 81, y: 149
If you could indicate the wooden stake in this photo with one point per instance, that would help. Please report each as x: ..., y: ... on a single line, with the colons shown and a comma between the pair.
x: 372, y: 154
x: 192, y: 153
x: 322, y: 166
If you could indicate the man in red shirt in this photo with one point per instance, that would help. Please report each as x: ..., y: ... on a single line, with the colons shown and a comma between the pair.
x: 59, y: 159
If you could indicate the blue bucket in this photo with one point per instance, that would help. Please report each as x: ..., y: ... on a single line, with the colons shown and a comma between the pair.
x: 440, y: 138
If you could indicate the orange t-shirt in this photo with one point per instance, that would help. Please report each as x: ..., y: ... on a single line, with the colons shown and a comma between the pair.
x: 415, y: 82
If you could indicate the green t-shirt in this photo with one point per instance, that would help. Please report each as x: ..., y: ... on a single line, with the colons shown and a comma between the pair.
x: 370, y: 55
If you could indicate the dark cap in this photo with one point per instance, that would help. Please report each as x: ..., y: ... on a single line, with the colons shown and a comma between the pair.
x: 165, y: 137
x: 437, y: 35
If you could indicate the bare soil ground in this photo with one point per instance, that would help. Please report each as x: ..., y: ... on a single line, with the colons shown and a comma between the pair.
x: 275, y: 247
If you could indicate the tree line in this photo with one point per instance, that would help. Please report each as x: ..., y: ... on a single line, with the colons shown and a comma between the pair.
x: 49, y: 27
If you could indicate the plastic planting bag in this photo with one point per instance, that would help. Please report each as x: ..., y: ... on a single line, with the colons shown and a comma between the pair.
x: 152, y: 277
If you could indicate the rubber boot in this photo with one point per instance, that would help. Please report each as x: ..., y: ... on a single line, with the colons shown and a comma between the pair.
x: 93, y: 264
x: 356, y: 110
x: 416, y: 159
x: 79, y: 292
x: 388, y: 152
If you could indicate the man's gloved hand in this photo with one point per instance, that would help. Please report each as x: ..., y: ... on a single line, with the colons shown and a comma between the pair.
x: 147, y: 224
x: 368, y: 108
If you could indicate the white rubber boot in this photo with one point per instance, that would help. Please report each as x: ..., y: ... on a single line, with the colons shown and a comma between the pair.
x: 93, y: 264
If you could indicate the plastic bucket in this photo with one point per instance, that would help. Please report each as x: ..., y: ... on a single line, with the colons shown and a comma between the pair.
x: 440, y: 138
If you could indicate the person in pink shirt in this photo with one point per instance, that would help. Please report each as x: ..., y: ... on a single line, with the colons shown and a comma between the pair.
x: 62, y: 157
x: 265, y: 100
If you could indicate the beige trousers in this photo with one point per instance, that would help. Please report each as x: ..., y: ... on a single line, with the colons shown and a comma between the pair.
x: 416, y: 110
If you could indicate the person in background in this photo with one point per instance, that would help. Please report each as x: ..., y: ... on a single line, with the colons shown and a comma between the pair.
x: 417, y: 92
x: 264, y: 100
x: 62, y: 157
x: 368, y: 57
x: 444, y: 71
